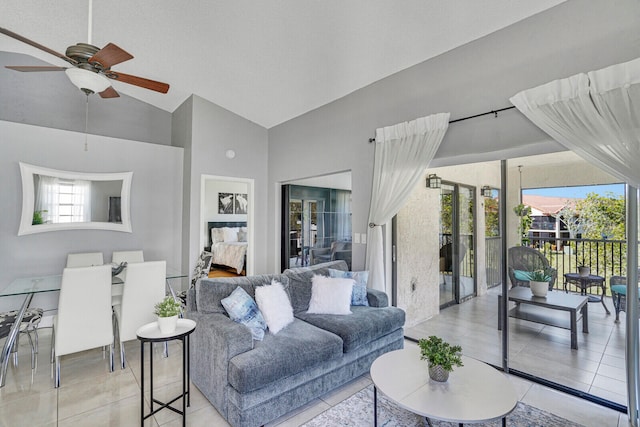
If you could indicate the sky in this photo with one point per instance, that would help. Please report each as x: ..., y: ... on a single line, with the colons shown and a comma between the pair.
x: 579, y: 192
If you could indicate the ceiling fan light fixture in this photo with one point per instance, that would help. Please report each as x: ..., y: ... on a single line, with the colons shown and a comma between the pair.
x: 87, y: 80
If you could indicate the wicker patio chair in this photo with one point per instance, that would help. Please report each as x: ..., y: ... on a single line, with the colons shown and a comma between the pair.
x: 522, y: 258
x: 618, y: 286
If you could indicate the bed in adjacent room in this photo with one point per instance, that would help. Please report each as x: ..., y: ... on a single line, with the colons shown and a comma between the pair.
x: 228, y: 242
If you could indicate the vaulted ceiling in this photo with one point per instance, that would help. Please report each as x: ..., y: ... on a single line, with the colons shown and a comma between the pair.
x: 268, y: 61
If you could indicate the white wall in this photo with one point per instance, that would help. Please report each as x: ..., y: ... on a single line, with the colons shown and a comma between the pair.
x: 156, y: 198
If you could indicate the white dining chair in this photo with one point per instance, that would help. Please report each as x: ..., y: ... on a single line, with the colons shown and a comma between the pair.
x: 84, y: 319
x: 127, y: 256
x: 143, y: 288
x: 118, y: 257
x: 87, y: 259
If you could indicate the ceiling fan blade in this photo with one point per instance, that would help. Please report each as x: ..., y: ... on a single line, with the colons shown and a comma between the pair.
x: 110, y: 55
x: 29, y: 68
x: 109, y: 92
x: 37, y: 45
x: 139, y: 81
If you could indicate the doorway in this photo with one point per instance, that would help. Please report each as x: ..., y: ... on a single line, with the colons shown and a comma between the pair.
x: 228, y: 202
x: 457, y: 244
x: 316, y: 225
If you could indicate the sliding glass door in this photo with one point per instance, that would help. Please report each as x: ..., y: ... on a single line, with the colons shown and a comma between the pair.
x: 457, y: 264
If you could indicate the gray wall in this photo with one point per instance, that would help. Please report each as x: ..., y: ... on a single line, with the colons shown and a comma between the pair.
x: 156, y: 199
x: 215, y: 130
x: 49, y: 99
x: 573, y: 37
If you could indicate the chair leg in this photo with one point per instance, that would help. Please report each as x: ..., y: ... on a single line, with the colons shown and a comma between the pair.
x: 56, y: 380
x: 122, y: 358
x: 33, y: 351
x: 53, y: 344
x: 111, y: 357
x: 166, y: 349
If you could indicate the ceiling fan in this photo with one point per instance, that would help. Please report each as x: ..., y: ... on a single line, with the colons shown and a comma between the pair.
x: 91, y: 67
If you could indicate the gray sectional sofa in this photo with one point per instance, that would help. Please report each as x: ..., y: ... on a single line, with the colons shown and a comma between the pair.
x: 253, y: 382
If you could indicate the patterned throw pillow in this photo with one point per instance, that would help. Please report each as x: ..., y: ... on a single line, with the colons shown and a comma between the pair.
x: 242, y: 236
x: 243, y: 309
x: 359, y: 295
x: 203, y: 265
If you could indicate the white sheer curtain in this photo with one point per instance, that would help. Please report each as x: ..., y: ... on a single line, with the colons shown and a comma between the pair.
x: 343, y: 215
x: 596, y: 115
x: 46, y: 197
x: 403, y: 152
x: 81, y: 201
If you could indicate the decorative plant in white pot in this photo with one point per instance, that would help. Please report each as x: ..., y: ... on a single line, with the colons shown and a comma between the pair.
x: 441, y: 356
x: 539, y: 282
x: 168, y: 311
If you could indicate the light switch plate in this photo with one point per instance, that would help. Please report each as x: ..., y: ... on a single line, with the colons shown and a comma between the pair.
x: 356, y: 237
x: 364, y: 238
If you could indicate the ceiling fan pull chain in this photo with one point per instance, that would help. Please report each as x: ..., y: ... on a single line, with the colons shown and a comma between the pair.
x: 86, y: 123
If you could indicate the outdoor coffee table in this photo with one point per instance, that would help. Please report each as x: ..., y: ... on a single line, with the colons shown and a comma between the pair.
x: 540, y: 310
x: 474, y: 393
x: 586, y: 282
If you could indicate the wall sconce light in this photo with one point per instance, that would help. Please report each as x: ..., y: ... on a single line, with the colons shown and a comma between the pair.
x: 486, y: 191
x: 434, y: 181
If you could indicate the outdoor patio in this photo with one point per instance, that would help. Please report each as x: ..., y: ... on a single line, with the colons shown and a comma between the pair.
x: 596, y: 367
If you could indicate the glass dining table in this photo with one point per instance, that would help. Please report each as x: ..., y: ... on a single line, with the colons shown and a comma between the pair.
x: 29, y: 286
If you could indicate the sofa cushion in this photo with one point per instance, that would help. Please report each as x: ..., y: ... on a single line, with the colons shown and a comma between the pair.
x: 365, y: 325
x: 300, y: 282
x: 209, y: 292
x: 298, y: 347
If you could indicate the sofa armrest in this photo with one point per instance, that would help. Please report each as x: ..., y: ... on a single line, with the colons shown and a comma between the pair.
x: 191, y: 300
x: 377, y: 298
x: 215, y: 341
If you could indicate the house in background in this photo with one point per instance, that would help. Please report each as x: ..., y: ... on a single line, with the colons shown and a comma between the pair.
x: 546, y: 219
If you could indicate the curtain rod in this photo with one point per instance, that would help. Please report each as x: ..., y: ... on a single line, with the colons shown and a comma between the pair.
x: 494, y: 112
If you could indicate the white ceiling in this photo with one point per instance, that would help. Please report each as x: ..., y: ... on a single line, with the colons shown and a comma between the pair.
x: 268, y: 61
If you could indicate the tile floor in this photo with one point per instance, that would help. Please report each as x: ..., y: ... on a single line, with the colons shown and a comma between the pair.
x: 91, y: 396
x: 596, y: 367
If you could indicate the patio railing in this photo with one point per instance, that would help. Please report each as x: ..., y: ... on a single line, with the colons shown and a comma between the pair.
x: 606, y: 258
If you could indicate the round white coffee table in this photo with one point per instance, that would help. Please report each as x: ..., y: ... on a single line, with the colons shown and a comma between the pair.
x: 474, y: 393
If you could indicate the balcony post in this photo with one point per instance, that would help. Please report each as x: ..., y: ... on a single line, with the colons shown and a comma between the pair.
x: 632, y: 349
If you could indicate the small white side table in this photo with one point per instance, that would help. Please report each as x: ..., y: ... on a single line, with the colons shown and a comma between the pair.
x: 150, y: 333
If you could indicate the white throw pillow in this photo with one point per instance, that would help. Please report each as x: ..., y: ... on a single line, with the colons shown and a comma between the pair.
x: 230, y: 234
x: 275, y: 306
x: 330, y: 295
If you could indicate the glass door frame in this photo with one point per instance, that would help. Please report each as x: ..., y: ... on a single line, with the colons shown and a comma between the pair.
x: 455, y: 242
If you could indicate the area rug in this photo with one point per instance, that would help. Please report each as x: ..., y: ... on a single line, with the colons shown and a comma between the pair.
x: 357, y: 411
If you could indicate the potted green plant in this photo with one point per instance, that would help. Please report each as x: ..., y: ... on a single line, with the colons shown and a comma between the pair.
x: 441, y: 356
x: 539, y: 282
x: 168, y: 311
x: 38, y: 217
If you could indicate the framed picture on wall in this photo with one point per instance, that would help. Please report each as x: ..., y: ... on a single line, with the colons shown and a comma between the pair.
x: 225, y: 203
x: 240, y: 204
